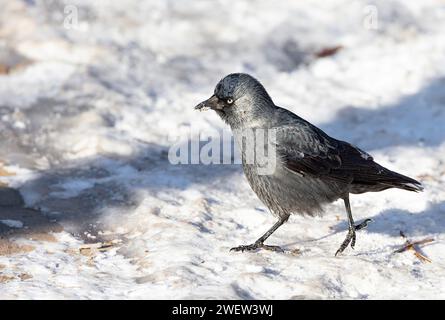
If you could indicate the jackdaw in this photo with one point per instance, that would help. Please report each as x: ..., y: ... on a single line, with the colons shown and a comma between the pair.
x: 312, y: 168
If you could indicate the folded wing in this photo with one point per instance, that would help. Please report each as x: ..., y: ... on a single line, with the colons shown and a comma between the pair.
x: 308, y: 151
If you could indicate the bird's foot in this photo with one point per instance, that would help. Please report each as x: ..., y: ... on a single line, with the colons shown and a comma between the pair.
x: 273, y: 248
x: 351, y: 237
x: 256, y: 246
x: 363, y: 225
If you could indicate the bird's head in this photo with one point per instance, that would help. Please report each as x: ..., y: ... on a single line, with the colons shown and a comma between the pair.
x: 238, y: 99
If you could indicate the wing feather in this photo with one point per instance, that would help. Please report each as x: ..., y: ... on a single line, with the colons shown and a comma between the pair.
x: 307, y: 150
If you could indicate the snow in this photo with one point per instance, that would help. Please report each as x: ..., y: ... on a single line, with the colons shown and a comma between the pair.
x: 88, y: 124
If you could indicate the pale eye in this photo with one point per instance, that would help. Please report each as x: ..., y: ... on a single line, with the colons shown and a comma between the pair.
x: 229, y: 101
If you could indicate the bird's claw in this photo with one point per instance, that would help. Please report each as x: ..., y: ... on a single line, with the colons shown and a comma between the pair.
x: 256, y: 246
x: 351, y: 237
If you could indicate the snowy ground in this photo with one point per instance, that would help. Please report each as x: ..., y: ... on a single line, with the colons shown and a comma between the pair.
x: 88, y: 111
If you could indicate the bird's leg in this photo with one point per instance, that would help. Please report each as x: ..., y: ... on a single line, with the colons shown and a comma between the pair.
x: 259, y: 244
x: 350, y: 237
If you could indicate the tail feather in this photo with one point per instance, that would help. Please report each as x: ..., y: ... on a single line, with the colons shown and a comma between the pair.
x: 400, y: 181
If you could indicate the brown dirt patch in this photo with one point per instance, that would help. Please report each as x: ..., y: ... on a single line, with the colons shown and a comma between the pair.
x: 8, y: 248
x: 4, y: 279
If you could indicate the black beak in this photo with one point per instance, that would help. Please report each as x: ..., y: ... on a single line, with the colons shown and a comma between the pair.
x: 211, y: 103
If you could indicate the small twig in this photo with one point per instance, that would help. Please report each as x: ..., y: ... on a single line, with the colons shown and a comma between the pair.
x: 326, y: 52
x: 421, y: 257
x: 409, y: 245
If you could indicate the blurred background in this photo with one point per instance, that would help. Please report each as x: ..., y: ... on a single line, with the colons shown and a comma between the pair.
x: 91, y: 93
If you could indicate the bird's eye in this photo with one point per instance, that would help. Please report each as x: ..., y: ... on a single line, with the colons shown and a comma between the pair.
x: 229, y: 101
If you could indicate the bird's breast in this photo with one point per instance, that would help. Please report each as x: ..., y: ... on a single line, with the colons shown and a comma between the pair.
x: 287, y: 192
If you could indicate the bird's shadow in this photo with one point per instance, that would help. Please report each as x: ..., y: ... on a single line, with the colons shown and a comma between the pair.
x: 75, y: 194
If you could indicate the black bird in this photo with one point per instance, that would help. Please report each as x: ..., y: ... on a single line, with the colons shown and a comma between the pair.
x: 312, y: 168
